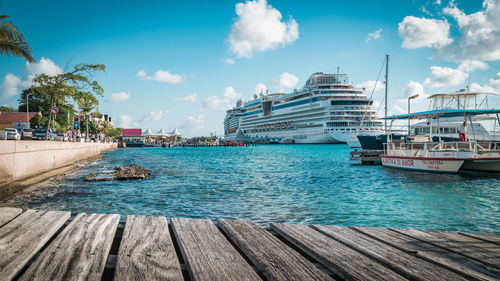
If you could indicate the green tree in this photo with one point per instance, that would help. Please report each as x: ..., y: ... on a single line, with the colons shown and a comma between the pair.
x: 5, y: 108
x: 39, y: 102
x: 76, y: 84
x: 87, y: 104
x: 12, y: 42
x: 115, y: 132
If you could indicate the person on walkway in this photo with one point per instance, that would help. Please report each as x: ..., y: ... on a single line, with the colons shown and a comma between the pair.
x: 462, y: 132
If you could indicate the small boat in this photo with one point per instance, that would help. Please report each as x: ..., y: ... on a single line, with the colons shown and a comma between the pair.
x: 422, y: 153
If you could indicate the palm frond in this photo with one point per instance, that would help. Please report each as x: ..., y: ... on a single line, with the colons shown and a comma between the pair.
x: 12, y: 42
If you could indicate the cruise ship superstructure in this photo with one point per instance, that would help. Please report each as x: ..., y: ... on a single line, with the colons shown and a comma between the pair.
x: 326, y: 110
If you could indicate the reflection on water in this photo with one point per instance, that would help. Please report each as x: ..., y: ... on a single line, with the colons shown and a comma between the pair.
x: 277, y: 183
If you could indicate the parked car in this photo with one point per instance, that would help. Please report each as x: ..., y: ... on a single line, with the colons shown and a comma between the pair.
x: 39, y: 133
x: 27, y: 133
x: 60, y: 137
x: 12, y: 134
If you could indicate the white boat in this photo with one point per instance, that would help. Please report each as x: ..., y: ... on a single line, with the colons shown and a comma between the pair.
x: 326, y: 110
x: 422, y: 154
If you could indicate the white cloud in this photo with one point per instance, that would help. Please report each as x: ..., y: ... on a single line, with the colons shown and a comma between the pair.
x: 471, y: 65
x: 194, y: 122
x: 374, y: 35
x: 371, y: 85
x: 414, y: 88
x: 399, y: 110
x: 445, y: 76
x: 230, y: 93
x: 286, y: 81
x: 474, y: 87
x: 229, y: 61
x: 493, y: 86
x: 10, y: 85
x: 437, y: 2
x: 162, y: 76
x: 258, y: 28
x: 126, y: 121
x: 189, y: 98
x: 260, y: 88
x: 480, y: 31
x: 13, y: 85
x: 224, y: 102
x: 119, y: 97
x: 422, y: 32
x: 153, y: 116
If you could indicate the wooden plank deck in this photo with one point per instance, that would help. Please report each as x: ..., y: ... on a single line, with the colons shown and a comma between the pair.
x: 38, y: 245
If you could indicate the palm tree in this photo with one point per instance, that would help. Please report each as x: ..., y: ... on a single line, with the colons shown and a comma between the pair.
x: 87, y: 105
x: 12, y: 42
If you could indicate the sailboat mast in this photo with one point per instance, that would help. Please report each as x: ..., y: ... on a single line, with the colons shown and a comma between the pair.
x: 386, y: 86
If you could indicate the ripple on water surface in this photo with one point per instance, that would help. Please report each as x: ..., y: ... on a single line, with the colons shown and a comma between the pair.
x: 277, y: 183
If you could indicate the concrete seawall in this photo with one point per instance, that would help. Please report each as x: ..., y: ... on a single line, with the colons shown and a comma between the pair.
x: 23, y: 159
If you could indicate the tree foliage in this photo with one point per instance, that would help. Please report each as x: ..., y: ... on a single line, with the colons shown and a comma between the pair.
x: 5, y: 108
x: 12, y: 42
x: 77, y: 85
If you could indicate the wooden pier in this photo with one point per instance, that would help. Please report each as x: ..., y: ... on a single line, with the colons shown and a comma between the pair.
x: 49, y: 245
x: 367, y: 156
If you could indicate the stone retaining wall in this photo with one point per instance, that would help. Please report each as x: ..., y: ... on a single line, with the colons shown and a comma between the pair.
x: 21, y: 159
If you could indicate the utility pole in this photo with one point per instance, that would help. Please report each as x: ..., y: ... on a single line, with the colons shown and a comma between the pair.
x: 386, y: 86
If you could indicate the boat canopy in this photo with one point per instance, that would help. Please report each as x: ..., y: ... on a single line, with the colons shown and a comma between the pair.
x: 462, y: 93
x: 443, y: 113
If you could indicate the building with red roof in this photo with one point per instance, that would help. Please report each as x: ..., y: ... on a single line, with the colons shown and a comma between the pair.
x: 16, y: 119
x: 131, y: 132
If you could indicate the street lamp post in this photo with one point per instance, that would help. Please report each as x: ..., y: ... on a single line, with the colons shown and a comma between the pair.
x: 410, y: 98
x: 27, y: 111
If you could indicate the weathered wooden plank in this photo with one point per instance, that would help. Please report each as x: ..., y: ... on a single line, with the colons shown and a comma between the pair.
x: 407, y: 265
x: 79, y: 252
x: 462, y: 265
x: 207, y: 253
x: 146, y: 251
x: 340, y: 259
x: 8, y: 213
x: 272, y: 257
x: 488, y: 237
x: 479, y: 250
x: 23, y: 237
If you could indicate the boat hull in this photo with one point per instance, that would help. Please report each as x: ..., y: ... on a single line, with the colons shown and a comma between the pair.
x: 486, y: 165
x: 428, y: 164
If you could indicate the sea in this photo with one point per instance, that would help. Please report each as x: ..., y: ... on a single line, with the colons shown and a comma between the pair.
x: 306, y: 184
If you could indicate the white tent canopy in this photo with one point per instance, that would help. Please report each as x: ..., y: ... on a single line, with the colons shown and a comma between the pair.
x: 162, y: 133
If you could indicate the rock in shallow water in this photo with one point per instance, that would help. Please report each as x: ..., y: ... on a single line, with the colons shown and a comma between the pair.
x: 125, y: 172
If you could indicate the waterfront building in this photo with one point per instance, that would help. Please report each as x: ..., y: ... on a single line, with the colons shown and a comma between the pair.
x: 17, y: 120
x: 328, y: 109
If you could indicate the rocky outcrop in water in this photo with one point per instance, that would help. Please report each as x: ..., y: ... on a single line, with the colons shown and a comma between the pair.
x: 125, y: 172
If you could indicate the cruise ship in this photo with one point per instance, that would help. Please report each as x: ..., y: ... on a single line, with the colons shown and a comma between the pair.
x: 326, y: 110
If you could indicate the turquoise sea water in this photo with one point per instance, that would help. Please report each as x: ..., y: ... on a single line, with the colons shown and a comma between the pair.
x: 277, y: 183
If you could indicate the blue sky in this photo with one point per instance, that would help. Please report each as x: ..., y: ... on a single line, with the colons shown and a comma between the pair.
x: 180, y: 64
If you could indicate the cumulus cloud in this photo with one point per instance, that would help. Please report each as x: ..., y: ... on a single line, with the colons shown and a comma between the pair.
x: 258, y: 28
x: 371, y: 85
x: 445, y: 76
x: 471, y: 65
x: 13, y: 85
x: 423, y: 32
x: 189, y: 98
x: 153, y: 116
x: 229, y: 61
x: 194, y: 122
x: 162, y: 76
x: 480, y: 31
x: 119, y: 97
x: 374, y: 35
x: 493, y: 85
x: 414, y: 88
x: 222, y: 102
x: 286, y: 81
x: 399, y: 110
x: 260, y: 88
x: 126, y: 121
